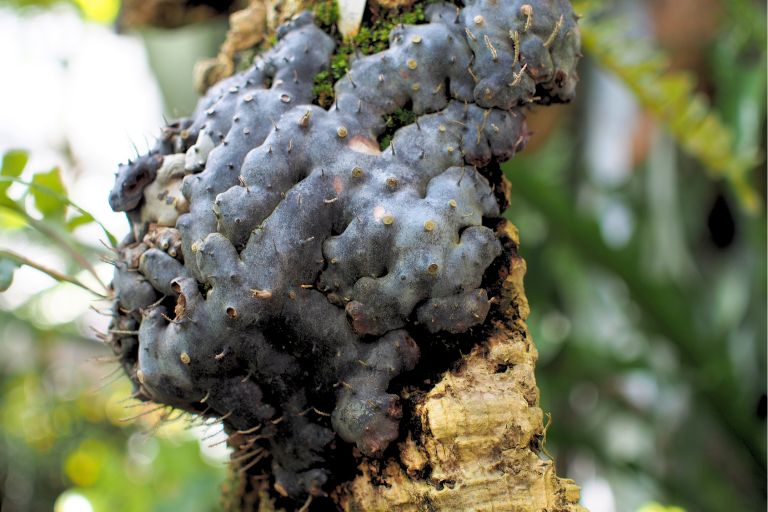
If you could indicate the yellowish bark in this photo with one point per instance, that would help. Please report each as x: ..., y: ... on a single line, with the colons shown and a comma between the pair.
x: 481, y: 427
x: 247, y: 28
x: 478, y: 443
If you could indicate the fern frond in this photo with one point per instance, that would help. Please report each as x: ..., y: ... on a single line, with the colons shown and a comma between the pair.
x: 671, y: 97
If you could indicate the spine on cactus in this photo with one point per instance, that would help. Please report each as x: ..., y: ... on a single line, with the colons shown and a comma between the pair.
x: 291, y: 273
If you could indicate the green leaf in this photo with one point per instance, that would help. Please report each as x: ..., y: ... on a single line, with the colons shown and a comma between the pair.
x: 80, y: 220
x: 13, y: 165
x: 7, y: 267
x: 11, y: 205
x: 14, y: 162
x: 10, y: 219
x: 110, y: 236
x: 48, y: 194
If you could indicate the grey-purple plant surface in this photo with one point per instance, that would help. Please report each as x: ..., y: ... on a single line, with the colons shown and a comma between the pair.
x: 279, y: 260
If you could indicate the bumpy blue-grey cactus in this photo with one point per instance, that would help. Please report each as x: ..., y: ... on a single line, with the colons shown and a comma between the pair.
x: 279, y: 262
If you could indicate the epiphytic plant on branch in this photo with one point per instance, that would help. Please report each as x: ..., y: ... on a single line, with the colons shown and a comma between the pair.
x: 288, y: 275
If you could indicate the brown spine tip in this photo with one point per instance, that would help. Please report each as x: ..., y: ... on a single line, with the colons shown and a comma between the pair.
x: 304, y: 120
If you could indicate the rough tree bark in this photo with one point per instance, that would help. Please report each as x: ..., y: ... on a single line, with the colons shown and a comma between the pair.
x: 479, y: 431
x: 476, y: 439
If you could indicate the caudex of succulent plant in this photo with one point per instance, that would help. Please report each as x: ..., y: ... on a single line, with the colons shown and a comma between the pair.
x: 287, y: 274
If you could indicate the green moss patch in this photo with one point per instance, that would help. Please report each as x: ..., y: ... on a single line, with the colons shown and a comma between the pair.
x: 373, y: 37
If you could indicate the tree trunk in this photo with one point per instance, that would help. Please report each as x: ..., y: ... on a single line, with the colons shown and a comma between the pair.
x: 476, y: 438
x: 479, y: 434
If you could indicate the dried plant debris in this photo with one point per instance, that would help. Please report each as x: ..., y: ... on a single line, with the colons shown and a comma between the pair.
x: 280, y: 261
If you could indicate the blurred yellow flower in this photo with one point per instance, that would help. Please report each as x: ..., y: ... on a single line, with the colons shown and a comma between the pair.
x: 83, y: 466
x: 102, y: 11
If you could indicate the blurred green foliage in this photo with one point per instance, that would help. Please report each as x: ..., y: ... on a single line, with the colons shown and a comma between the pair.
x: 60, y: 430
x: 672, y: 97
x: 653, y: 349
x: 43, y: 211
